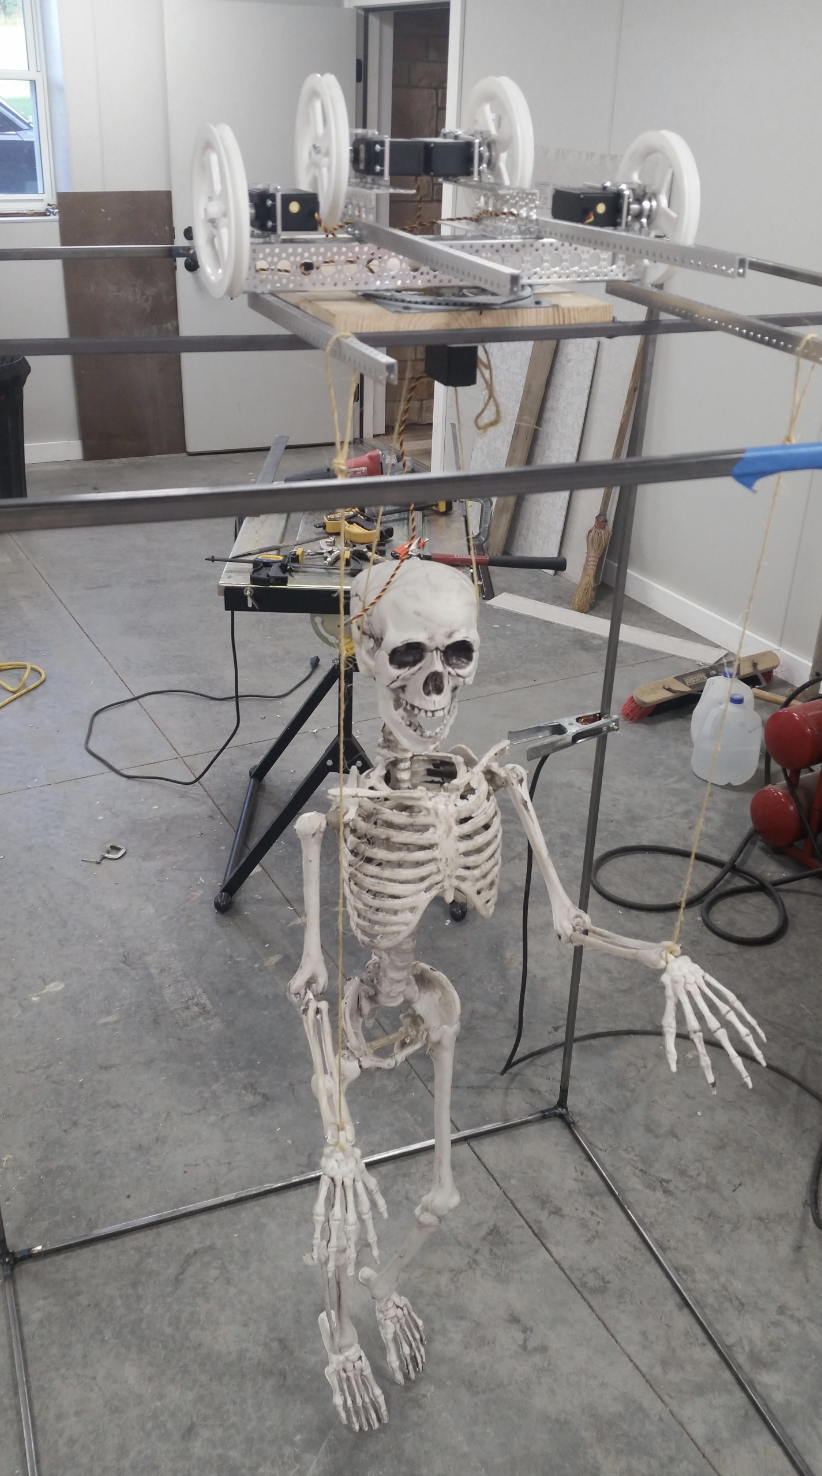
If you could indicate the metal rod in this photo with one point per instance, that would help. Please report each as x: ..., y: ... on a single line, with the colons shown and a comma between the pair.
x: 299, y: 1181
x: 175, y: 504
x: 793, y: 274
x: 647, y: 248
x: 743, y: 1379
x: 755, y: 330
x: 93, y: 253
x: 626, y: 506
x: 475, y: 271
x: 20, y: 1371
x: 264, y: 343
x: 349, y: 350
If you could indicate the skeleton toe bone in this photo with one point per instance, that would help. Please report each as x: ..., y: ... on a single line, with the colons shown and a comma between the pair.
x: 358, y: 1398
x: 401, y: 1331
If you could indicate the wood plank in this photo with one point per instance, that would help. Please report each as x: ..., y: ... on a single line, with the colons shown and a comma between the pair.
x: 128, y: 405
x: 533, y: 393
x: 351, y: 314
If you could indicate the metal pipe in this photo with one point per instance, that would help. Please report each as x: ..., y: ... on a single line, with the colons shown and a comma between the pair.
x: 299, y: 1181
x: 100, y: 509
x: 264, y: 343
x: 626, y: 506
x: 20, y: 1371
x: 743, y: 1379
x: 91, y: 253
x: 755, y: 330
x: 793, y: 274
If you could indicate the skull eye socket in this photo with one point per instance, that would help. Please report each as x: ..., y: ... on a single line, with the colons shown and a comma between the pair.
x: 458, y: 655
x: 407, y: 655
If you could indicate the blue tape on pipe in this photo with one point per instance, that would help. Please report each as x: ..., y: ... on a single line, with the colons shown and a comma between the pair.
x: 764, y: 461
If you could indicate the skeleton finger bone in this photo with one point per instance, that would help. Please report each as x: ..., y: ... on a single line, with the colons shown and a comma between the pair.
x: 718, y: 1031
x: 733, y: 1019
x: 736, y: 1003
x: 676, y: 977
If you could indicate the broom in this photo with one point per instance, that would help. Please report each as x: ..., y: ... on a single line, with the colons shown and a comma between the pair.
x: 598, y: 537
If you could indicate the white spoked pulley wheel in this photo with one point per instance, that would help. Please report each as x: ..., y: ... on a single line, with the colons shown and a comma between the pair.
x: 322, y: 145
x: 497, y: 108
x: 221, y: 222
x: 662, y: 161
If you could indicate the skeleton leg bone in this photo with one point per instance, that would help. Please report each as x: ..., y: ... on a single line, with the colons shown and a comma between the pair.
x: 437, y: 1002
x: 342, y: 1207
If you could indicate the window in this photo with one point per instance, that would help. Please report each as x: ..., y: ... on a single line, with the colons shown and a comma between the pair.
x: 25, y: 177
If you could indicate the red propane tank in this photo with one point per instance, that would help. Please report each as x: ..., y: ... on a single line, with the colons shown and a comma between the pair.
x: 793, y: 737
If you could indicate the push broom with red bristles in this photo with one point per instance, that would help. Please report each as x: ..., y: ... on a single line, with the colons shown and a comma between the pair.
x: 679, y: 690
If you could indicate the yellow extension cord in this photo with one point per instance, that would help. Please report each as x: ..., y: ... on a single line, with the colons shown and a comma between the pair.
x: 24, y: 685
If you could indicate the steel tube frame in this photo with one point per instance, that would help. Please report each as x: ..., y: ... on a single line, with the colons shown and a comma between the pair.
x: 263, y: 343
x: 92, y: 253
x: 632, y: 472
x: 755, y: 330
x: 99, y: 509
x: 625, y: 511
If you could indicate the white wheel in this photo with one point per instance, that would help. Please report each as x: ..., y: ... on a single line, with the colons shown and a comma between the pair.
x: 662, y: 161
x: 322, y: 144
x: 497, y: 108
x: 221, y: 221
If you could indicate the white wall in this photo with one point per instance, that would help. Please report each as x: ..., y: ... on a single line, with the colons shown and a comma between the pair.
x: 114, y: 75
x: 595, y: 75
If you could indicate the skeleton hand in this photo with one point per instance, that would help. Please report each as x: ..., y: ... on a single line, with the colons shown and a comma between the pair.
x: 345, y: 1185
x: 310, y: 980
x: 685, y: 981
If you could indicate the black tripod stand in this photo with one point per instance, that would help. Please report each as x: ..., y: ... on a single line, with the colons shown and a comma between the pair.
x: 354, y: 757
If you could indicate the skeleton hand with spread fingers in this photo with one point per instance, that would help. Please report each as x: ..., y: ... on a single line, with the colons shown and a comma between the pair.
x: 425, y: 823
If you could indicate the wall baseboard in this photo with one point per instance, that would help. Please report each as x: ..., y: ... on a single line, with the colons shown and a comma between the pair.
x: 53, y: 451
x: 793, y: 667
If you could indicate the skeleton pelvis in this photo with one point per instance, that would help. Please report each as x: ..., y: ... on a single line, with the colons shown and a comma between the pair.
x: 434, y: 1007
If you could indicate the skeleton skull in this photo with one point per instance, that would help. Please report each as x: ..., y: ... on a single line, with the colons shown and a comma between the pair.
x: 420, y: 642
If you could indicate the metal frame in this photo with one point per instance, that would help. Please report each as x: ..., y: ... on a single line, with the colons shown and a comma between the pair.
x: 756, y: 330
x: 263, y: 343
x: 634, y: 471
x: 359, y: 357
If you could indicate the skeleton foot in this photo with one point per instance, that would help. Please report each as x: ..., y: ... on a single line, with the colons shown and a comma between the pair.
x: 401, y: 1331
x: 358, y: 1398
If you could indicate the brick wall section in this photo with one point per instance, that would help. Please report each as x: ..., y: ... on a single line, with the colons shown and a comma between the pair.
x: 417, y: 111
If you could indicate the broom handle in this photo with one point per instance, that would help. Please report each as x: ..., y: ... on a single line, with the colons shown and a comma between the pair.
x: 625, y: 421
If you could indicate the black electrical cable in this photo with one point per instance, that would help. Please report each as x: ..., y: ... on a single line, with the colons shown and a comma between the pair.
x: 710, y: 896
x: 526, y: 899
x: 236, y: 697
x: 816, y: 1172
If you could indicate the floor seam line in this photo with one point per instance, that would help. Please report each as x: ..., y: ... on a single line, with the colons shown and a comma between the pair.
x: 611, y: 1334
x: 91, y: 640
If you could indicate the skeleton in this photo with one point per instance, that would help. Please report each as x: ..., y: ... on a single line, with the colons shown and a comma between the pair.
x: 424, y: 824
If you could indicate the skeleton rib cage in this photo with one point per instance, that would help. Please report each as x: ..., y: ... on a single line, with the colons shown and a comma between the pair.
x: 402, y: 847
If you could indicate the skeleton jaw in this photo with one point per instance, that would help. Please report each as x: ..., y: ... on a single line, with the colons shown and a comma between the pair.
x: 407, y: 721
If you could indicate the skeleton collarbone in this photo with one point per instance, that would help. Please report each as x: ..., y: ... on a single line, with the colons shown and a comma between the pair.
x: 434, y: 833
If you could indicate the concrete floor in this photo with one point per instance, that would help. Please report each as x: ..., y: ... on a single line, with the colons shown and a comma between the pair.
x: 169, y: 1067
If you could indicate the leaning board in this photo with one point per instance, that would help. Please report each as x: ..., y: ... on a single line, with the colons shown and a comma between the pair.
x: 360, y: 315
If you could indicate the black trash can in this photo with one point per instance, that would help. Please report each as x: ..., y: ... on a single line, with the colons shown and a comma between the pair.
x: 13, y: 374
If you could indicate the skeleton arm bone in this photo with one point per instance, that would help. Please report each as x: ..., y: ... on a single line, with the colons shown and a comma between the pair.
x: 571, y: 923
x: 685, y: 983
x: 311, y: 977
